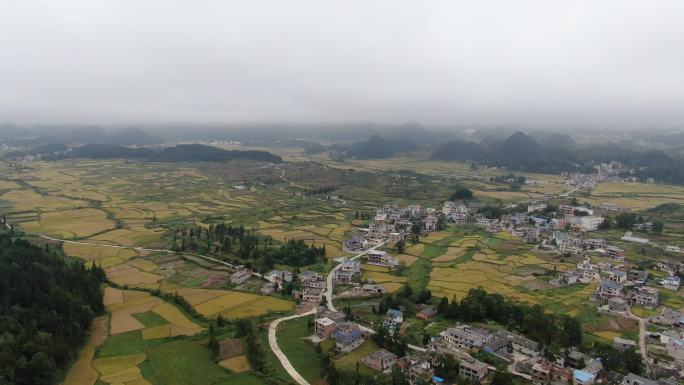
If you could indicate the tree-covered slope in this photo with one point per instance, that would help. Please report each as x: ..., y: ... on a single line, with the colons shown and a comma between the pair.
x: 46, y: 306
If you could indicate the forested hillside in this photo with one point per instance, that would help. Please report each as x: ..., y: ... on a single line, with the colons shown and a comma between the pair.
x: 179, y: 153
x: 558, y: 153
x: 46, y: 306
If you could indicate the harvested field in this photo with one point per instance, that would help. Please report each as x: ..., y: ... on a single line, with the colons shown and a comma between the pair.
x: 111, y: 365
x: 71, y: 223
x: 174, y: 316
x: 112, y: 296
x: 122, y: 323
x: 452, y: 254
x: 231, y: 304
x: 82, y: 372
x: 161, y: 331
x: 415, y: 250
x: 129, y: 274
x: 143, y: 265
x: 407, y: 259
x: 237, y: 364
x: 97, y: 253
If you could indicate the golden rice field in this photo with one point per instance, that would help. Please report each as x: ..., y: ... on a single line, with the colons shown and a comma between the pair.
x: 230, y: 304
x: 390, y: 282
x: 82, y: 371
x: 415, y: 250
x: 101, y: 255
x: 507, y: 195
x: 124, y: 304
x: 79, y: 223
x: 237, y: 364
x: 456, y: 281
x: 121, y: 369
x: 407, y: 259
x: 452, y: 253
x: 135, y: 273
x: 435, y: 236
x: 637, y: 196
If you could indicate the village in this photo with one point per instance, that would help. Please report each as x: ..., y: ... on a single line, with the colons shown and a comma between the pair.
x: 621, y: 287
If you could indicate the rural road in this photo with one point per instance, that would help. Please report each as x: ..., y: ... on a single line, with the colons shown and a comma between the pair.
x: 273, y: 327
x: 273, y: 342
x: 329, y: 294
x: 642, y: 339
x: 329, y: 280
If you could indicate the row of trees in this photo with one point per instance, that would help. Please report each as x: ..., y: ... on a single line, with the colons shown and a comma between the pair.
x: 628, y: 220
x: 47, y: 303
x: 553, y: 331
x: 246, y: 247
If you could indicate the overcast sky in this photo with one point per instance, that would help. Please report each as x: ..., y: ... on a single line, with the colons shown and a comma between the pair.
x: 583, y: 63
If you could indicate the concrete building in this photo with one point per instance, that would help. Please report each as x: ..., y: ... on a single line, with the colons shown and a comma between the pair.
x: 608, y: 290
x: 324, y: 327
x: 671, y: 282
x: 633, y: 379
x: 240, y: 277
x: 623, y: 344
x: 646, y: 297
x: 347, y: 337
x: 380, y: 360
x: 381, y: 258
x: 472, y: 370
x: 547, y: 373
x: 590, y: 223
x: 617, y: 304
x: 675, y: 348
x: 467, y: 337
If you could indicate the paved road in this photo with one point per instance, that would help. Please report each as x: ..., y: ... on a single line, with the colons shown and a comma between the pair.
x: 329, y: 294
x: 567, y: 194
x: 329, y: 280
x: 282, y: 176
x: 273, y: 343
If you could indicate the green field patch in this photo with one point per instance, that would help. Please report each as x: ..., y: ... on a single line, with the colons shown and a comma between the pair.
x: 301, y: 353
x: 185, y: 363
x: 150, y: 319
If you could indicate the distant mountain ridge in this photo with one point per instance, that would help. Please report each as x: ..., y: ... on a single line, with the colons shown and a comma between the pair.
x: 378, y: 147
x: 463, y: 151
x: 73, y: 135
x: 522, y: 153
x: 178, y: 153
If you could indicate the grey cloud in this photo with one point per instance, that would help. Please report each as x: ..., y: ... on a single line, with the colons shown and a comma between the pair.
x: 608, y: 63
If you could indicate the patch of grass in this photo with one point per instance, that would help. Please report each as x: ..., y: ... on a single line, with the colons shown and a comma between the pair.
x: 125, y: 343
x: 185, y: 363
x: 302, y: 355
x: 150, y: 319
x: 245, y: 379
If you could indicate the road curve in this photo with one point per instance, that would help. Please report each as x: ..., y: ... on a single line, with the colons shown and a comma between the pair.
x: 329, y: 279
x: 273, y: 343
x: 329, y: 295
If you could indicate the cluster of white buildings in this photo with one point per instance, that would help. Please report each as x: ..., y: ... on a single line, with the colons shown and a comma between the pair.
x: 312, y: 289
x: 391, y: 224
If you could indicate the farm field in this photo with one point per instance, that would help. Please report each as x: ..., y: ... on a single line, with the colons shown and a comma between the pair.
x: 230, y: 304
x: 145, y: 339
x: 138, y: 343
x: 637, y: 196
